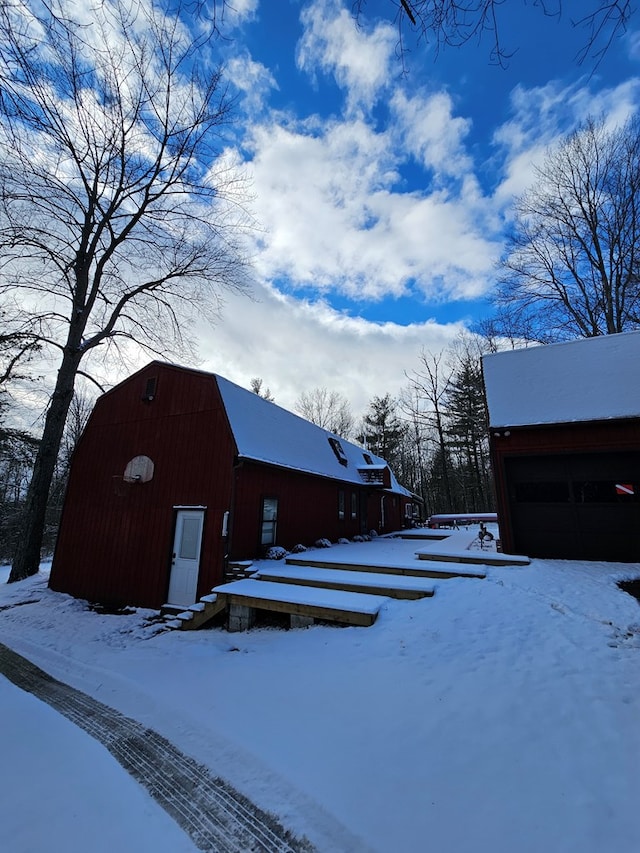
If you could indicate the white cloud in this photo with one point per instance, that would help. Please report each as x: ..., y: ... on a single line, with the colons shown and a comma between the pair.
x: 235, y: 13
x: 253, y: 79
x: 359, y: 59
x: 336, y: 217
x: 631, y: 41
x: 296, y: 345
x: 430, y: 132
x: 544, y: 114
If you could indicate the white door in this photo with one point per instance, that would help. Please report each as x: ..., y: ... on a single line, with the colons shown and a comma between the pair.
x: 185, y: 560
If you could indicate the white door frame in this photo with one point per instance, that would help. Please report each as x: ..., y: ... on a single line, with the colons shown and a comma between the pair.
x: 185, y: 557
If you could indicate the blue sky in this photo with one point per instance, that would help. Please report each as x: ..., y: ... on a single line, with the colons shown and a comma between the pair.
x: 384, y: 197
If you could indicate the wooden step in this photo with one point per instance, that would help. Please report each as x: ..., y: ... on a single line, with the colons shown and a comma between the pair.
x: 375, y: 583
x: 198, y: 614
x: 485, y: 558
x: 413, y: 568
x: 436, y: 535
x: 348, y: 608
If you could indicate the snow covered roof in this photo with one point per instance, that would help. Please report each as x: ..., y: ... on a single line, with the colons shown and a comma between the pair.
x: 265, y: 432
x: 584, y: 380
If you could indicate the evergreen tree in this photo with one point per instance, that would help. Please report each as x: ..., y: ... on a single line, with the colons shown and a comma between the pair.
x: 467, y: 435
x: 382, y: 429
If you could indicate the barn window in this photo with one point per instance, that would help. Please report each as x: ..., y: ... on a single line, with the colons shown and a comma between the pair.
x: 367, y: 458
x: 338, y: 449
x: 341, y: 505
x: 269, y: 521
x: 150, y: 389
x: 354, y: 506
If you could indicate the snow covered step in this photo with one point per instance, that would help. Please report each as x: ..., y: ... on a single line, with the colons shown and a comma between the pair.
x: 424, y: 533
x: 412, y: 568
x: 195, y: 615
x: 394, y: 586
x: 456, y: 541
x: 349, y: 608
x: 478, y: 557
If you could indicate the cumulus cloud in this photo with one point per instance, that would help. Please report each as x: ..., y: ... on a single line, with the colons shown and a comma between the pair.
x: 235, y: 14
x: 360, y: 60
x: 296, y: 345
x: 253, y: 79
x: 430, y: 132
x: 543, y: 115
x: 337, y: 218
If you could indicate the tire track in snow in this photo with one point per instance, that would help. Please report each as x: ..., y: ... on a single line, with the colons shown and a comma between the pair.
x: 215, y: 816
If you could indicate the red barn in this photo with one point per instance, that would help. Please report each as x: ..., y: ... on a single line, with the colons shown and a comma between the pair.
x: 565, y: 444
x: 179, y: 472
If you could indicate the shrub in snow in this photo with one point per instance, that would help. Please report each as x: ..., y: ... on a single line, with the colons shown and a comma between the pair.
x: 372, y: 534
x: 343, y: 541
x: 358, y: 538
x: 323, y: 543
x: 276, y: 553
x: 298, y: 549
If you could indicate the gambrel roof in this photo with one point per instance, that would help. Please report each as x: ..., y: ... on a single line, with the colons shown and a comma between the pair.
x: 265, y: 432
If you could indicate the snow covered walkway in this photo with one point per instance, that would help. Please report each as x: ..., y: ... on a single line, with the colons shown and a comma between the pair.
x: 211, y: 812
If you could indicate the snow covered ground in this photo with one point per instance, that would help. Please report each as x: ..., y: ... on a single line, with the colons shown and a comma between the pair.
x: 501, y: 715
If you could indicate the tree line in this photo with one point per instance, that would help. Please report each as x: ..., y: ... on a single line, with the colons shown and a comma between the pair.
x: 434, y: 434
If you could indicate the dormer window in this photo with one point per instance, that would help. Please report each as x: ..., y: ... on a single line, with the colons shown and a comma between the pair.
x: 338, y: 449
x: 367, y: 459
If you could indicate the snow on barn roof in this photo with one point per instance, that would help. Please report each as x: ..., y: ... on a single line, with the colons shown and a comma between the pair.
x: 584, y: 380
x: 265, y: 432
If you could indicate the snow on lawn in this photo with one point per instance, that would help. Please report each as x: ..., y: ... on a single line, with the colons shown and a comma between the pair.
x: 500, y: 715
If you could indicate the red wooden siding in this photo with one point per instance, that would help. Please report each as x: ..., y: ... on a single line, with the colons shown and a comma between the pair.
x: 589, y: 444
x: 115, y: 540
x: 307, y: 509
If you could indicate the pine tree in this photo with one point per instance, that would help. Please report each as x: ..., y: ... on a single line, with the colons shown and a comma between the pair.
x: 382, y: 429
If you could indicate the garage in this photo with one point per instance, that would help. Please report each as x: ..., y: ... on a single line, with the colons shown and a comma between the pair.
x: 564, y: 424
x: 576, y: 506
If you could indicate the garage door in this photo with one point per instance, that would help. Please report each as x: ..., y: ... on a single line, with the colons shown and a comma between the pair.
x: 576, y: 506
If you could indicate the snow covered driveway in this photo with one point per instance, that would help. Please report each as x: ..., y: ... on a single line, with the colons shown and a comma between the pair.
x: 500, y: 715
x: 216, y: 817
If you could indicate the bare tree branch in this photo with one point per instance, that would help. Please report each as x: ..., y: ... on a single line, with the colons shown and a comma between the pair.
x: 454, y: 23
x: 120, y: 217
x: 572, y: 265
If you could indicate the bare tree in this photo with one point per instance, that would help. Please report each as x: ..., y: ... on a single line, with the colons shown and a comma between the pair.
x: 19, y: 343
x: 327, y: 409
x: 453, y: 23
x: 118, y: 216
x: 256, y: 386
x: 429, y: 384
x: 18, y: 449
x: 572, y: 265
